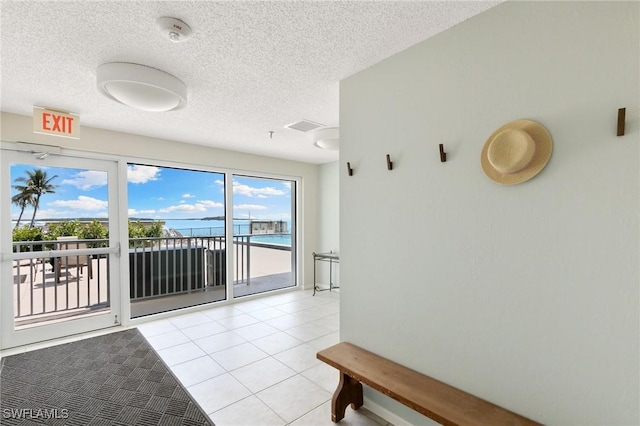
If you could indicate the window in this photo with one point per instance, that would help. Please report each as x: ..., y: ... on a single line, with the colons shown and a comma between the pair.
x: 178, y: 242
x: 177, y: 255
x: 263, y: 234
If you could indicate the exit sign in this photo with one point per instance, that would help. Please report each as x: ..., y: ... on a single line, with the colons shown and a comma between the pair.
x: 56, y: 123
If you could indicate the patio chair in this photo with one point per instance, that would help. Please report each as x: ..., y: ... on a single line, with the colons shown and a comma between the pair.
x: 70, y: 262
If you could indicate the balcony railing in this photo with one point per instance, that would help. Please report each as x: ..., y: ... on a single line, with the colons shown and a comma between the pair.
x: 59, y: 278
x: 76, y: 279
x: 175, y: 265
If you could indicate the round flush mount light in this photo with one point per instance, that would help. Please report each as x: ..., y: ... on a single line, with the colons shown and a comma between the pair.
x: 141, y: 87
x: 328, y: 138
x: 174, y: 29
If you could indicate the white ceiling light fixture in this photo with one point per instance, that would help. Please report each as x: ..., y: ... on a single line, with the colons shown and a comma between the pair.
x: 174, y: 29
x: 328, y: 138
x: 141, y: 87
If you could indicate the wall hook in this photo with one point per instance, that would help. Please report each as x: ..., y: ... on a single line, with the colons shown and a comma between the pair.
x: 443, y: 155
x: 621, y: 114
x: 389, y: 163
x: 349, y: 169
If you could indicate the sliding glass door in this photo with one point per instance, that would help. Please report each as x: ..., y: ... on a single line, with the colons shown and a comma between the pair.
x: 178, y: 246
x: 60, y: 246
x: 188, y: 244
x: 264, y: 237
x: 177, y: 250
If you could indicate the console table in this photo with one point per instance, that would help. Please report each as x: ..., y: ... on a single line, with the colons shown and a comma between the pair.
x: 330, y: 257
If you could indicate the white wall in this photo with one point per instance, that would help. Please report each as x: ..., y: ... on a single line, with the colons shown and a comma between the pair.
x: 328, y: 207
x: 526, y: 295
x: 328, y: 218
x: 20, y: 128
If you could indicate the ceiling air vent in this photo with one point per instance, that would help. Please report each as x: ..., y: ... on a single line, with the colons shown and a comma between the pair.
x: 304, y: 125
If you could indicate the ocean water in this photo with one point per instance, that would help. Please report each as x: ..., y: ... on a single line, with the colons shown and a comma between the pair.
x: 204, y: 227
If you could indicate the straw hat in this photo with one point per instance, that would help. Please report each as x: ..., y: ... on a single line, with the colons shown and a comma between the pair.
x: 516, y: 152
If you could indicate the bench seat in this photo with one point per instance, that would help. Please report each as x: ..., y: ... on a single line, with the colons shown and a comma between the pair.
x: 432, y: 398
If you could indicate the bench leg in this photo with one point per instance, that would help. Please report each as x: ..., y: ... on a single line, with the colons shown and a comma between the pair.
x: 349, y: 391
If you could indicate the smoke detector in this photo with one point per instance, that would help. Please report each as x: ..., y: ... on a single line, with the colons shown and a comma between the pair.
x: 174, y: 29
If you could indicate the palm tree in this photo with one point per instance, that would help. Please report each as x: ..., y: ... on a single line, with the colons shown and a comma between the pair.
x: 37, y: 184
x: 22, y: 199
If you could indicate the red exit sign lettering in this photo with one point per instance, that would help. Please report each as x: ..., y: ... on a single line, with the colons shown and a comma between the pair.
x: 57, y: 123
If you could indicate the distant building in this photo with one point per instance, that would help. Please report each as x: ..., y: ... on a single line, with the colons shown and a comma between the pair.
x: 268, y: 227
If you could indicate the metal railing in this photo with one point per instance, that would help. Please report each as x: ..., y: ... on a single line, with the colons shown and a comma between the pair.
x: 59, y: 277
x: 56, y: 277
x: 242, y: 256
x: 210, y: 231
x: 175, y: 265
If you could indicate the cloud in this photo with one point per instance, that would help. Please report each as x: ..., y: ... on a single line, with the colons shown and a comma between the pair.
x: 87, y: 179
x: 142, y: 174
x: 220, y: 184
x: 200, y: 206
x: 81, y: 203
x: 190, y: 208
x: 249, y: 207
x: 134, y: 212
x: 188, y: 196
x: 45, y: 214
x: 250, y: 191
x: 210, y: 204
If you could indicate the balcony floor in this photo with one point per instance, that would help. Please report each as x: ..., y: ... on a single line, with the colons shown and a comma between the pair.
x: 210, y: 294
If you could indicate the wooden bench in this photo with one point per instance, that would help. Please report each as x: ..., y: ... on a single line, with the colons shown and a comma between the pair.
x: 432, y: 398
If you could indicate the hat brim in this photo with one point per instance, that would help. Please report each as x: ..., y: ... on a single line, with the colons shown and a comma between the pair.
x: 544, y: 146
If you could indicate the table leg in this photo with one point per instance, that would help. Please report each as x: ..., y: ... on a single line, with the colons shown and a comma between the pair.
x: 314, y: 276
x: 330, y: 274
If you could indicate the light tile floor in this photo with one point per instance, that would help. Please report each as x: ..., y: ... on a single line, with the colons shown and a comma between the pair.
x: 254, y: 363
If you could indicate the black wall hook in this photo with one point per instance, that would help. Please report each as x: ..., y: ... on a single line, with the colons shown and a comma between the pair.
x: 443, y: 155
x: 389, y: 163
x: 621, y: 114
x: 349, y: 169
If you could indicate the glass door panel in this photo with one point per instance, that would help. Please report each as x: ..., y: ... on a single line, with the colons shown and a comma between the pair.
x: 176, y: 248
x: 60, y: 247
x: 264, y: 235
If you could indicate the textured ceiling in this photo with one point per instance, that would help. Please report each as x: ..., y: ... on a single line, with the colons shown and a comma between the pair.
x: 250, y: 67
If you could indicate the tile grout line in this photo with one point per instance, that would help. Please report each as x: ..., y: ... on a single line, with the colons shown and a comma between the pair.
x: 310, y: 304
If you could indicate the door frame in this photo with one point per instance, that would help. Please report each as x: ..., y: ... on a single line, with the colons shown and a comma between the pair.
x: 9, y: 336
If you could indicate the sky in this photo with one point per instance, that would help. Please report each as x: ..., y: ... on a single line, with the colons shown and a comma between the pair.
x: 157, y: 193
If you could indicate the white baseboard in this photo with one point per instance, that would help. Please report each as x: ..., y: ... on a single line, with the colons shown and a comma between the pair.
x: 384, y: 413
